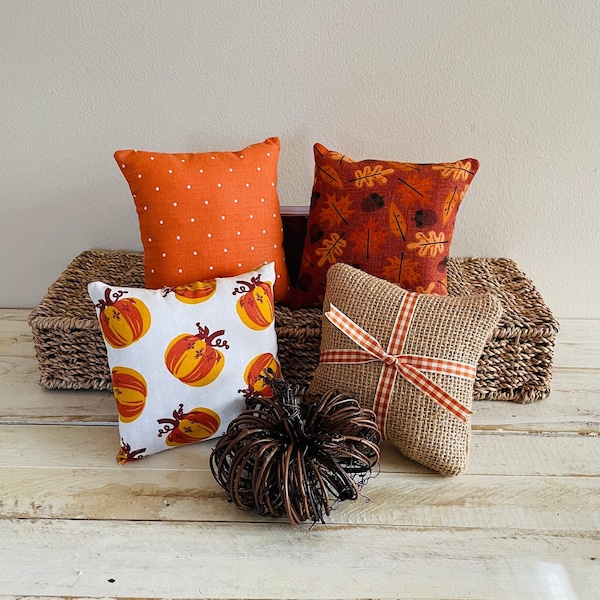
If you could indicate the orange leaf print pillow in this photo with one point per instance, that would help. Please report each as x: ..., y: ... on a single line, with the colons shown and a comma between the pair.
x: 208, y: 214
x: 391, y: 219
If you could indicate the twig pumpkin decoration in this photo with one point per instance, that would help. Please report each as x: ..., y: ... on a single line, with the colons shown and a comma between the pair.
x: 289, y: 455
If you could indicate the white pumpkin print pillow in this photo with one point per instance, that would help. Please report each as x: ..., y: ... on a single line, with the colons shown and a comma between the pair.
x: 182, y: 358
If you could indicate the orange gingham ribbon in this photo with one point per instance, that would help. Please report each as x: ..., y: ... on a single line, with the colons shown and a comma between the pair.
x: 394, y: 362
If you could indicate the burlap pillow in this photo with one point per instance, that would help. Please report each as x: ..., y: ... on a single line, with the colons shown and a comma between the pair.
x: 437, y: 341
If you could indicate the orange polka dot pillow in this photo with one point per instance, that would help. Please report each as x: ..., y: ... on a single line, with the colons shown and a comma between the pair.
x: 393, y: 220
x: 182, y: 357
x: 208, y: 214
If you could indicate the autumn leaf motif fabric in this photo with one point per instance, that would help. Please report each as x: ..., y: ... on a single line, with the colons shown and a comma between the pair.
x: 182, y: 358
x: 393, y: 220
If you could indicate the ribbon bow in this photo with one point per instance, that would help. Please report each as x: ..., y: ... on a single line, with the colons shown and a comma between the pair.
x: 409, y: 366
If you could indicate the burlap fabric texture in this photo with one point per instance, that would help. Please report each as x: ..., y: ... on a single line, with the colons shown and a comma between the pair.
x: 444, y: 327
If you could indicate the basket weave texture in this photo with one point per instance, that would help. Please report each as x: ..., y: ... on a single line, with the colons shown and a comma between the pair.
x: 516, y: 363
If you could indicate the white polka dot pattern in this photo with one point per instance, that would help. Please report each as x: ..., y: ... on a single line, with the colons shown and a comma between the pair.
x: 228, y: 199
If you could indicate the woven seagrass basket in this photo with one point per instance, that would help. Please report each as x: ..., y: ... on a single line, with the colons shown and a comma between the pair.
x: 516, y: 364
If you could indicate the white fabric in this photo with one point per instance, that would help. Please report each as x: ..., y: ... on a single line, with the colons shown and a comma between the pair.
x: 169, y: 318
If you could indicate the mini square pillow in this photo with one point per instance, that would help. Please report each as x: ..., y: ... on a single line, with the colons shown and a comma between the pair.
x: 181, y: 358
x: 393, y: 220
x: 209, y: 214
x: 410, y: 357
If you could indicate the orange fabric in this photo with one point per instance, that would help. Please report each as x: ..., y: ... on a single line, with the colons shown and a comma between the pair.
x: 208, y: 214
x: 393, y: 220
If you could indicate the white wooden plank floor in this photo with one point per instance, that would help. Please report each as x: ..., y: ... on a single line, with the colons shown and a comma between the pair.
x: 523, y: 522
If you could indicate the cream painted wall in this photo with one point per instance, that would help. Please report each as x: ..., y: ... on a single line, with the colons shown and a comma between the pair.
x: 514, y: 83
